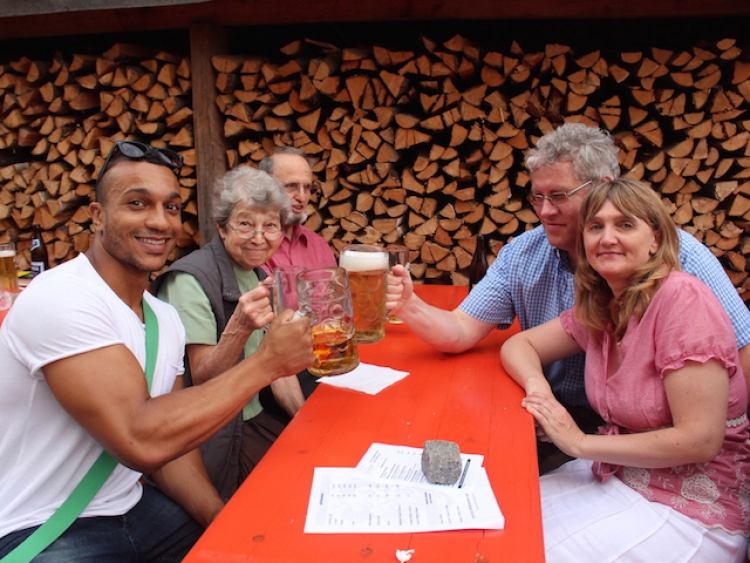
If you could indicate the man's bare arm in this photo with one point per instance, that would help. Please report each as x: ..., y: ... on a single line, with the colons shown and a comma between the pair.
x: 105, y: 391
x: 186, y: 481
x: 288, y: 394
x: 448, y: 331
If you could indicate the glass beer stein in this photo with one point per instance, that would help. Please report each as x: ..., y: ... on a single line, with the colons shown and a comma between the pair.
x: 367, y: 268
x: 397, y: 254
x: 8, y: 272
x: 325, y: 298
x: 284, y: 289
x: 8, y: 278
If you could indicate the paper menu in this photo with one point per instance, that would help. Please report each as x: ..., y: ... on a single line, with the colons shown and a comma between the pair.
x: 342, y: 502
x: 403, y: 464
x: 386, y: 494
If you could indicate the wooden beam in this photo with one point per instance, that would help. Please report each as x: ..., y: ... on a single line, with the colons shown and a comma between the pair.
x: 262, y: 12
x: 207, y: 40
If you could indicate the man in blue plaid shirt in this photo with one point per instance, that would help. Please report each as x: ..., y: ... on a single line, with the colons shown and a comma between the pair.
x: 532, y: 277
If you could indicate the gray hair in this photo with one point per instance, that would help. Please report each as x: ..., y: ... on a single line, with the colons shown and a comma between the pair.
x: 267, y: 164
x: 591, y: 151
x: 245, y: 186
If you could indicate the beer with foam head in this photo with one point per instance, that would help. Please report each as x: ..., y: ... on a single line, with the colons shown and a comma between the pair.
x: 367, y: 268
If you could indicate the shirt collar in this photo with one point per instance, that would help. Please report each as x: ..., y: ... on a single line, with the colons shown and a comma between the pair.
x: 564, y: 259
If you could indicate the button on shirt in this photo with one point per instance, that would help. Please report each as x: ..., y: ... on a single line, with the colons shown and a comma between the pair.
x: 532, y: 280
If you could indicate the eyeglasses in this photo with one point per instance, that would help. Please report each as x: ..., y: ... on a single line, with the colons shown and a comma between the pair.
x: 271, y: 232
x: 141, y: 151
x: 294, y: 187
x: 557, y: 198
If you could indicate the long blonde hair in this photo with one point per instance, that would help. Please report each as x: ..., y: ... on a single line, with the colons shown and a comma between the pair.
x: 596, y: 306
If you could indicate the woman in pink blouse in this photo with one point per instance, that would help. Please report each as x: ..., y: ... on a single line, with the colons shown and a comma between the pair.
x: 666, y: 479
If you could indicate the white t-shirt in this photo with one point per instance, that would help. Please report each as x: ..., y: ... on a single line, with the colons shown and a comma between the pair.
x: 44, y: 453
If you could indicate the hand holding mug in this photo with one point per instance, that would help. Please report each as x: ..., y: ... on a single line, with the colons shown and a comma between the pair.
x: 398, y: 255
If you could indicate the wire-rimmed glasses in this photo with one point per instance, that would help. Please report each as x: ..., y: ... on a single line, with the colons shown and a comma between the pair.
x: 557, y: 198
x: 271, y: 232
x: 309, y: 189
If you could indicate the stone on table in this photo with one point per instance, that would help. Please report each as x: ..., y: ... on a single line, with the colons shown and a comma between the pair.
x: 441, y: 462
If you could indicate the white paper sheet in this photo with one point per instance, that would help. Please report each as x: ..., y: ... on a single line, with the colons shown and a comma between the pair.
x: 366, y: 378
x: 342, y: 502
x: 403, y: 464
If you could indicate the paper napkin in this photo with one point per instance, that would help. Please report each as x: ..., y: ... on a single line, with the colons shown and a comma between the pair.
x: 366, y: 378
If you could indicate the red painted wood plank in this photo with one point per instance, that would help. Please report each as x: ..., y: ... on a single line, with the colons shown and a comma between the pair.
x: 465, y: 398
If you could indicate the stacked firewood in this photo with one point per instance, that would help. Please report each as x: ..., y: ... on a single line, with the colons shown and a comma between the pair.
x: 423, y: 146
x: 426, y: 146
x: 58, y: 120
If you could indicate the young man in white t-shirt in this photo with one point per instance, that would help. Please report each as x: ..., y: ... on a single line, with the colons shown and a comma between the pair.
x: 73, y: 352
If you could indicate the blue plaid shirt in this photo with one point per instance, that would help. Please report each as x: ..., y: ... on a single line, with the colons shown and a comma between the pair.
x: 532, y: 280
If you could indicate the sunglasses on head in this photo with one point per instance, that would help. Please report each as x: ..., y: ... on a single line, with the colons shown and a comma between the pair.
x: 134, y: 150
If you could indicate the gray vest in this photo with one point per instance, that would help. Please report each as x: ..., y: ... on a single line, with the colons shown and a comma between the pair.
x: 212, y: 268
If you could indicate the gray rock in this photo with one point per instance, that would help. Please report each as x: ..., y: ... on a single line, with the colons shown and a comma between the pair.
x: 441, y: 462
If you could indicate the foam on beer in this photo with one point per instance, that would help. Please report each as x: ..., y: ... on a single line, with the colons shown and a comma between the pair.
x: 7, y: 253
x: 358, y: 261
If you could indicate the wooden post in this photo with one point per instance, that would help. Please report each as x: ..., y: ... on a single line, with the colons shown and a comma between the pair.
x: 207, y: 40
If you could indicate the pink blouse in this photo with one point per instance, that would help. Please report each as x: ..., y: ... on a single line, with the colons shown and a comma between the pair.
x: 684, y: 322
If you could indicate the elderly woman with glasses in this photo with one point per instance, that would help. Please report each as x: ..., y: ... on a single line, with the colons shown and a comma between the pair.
x: 218, y: 293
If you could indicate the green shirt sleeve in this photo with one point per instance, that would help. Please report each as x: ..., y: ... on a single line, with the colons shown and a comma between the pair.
x: 185, y: 294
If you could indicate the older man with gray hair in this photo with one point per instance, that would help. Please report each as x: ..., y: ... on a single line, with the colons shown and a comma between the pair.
x: 299, y: 246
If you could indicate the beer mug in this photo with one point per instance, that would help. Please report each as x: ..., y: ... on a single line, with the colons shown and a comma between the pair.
x: 284, y: 289
x: 397, y: 254
x: 8, y: 272
x: 8, y: 277
x: 325, y: 298
x: 367, y: 268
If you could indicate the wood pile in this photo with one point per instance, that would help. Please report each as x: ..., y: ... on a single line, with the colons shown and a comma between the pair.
x: 423, y: 146
x: 426, y: 145
x: 58, y: 120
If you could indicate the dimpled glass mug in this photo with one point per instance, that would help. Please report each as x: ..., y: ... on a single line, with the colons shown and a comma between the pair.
x: 284, y: 288
x: 397, y: 254
x: 325, y: 298
x: 367, y: 267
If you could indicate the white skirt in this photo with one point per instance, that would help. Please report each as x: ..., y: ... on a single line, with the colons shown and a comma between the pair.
x: 587, y: 521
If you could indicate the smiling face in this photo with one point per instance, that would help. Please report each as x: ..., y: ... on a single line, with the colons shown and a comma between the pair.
x: 293, y: 170
x: 138, y: 221
x: 616, y: 245
x: 560, y: 222
x: 251, y: 252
